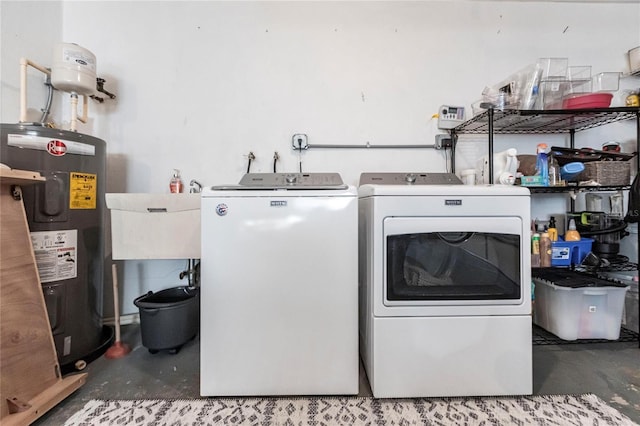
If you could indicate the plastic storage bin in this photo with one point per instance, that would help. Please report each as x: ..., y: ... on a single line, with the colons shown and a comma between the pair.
x: 630, y: 319
x: 606, y: 82
x: 579, y: 313
x: 634, y: 60
x: 631, y: 300
x: 579, y: 79
x: 169, y: 318
x: 552, y: 93
x: 567, y: 253
x: 553, y: 68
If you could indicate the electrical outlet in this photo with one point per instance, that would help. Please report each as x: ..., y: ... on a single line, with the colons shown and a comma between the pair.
x: 443, y: 142
x: 300, y: 141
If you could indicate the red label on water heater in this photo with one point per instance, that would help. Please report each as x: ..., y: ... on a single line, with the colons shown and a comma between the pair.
x: 56, y: 148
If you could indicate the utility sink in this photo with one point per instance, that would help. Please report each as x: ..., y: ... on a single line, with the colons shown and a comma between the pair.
x: 155, y: 226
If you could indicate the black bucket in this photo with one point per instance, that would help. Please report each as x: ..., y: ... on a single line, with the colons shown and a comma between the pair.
x: 169, y: 318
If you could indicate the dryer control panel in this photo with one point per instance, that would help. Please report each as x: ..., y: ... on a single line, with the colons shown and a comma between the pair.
x: 410, y: 179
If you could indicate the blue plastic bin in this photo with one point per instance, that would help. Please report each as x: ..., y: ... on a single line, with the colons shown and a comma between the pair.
x: 567, y: 253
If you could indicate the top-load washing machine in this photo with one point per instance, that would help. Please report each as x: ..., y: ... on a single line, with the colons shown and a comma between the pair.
x: 445, y: 286
x: 279, y: 286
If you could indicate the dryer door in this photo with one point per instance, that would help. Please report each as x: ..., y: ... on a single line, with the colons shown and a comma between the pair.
x: 449, y: 262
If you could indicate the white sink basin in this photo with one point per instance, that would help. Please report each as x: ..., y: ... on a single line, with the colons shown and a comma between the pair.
x: 155, y: 226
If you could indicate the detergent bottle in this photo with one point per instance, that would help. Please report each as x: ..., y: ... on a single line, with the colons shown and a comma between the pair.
x: 572, y: 233
x: 552, y: 230
x: 505, y: 167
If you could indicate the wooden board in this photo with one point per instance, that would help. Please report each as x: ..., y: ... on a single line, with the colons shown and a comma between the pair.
x: 46, y: 400
x: 29, y: 368
x: 19, y: 177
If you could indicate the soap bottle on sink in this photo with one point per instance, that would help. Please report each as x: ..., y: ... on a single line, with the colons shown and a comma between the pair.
x: 175, y: 185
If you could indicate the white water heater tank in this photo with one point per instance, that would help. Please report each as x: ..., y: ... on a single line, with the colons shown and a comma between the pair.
x: 73, y: 69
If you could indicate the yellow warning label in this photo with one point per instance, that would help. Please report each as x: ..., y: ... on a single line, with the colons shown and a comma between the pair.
x: 83, y: 189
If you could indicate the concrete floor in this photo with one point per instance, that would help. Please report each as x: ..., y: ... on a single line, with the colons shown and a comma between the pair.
x: 610, y: 370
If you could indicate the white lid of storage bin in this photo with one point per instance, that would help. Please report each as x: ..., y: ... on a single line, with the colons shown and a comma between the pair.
x: 155, y: 226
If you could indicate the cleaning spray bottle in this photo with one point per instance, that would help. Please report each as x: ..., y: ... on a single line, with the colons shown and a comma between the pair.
x: 175, y: 185
x: 542, y: 163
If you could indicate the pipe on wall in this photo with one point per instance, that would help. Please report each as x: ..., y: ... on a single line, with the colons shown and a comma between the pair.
x: 74, y: 111
x: 24, y: 63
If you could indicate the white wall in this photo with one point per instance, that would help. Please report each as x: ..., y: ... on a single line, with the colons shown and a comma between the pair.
x: 29, y: 30
x: 200, y: 84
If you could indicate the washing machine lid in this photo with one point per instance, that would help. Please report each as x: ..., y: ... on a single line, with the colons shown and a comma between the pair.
x: 287, y: 181
x: 409, y: 178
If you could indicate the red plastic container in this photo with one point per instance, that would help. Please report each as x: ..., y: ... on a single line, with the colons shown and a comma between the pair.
x: 592, y: 100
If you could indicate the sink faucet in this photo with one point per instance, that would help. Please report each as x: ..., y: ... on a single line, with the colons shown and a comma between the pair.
x: 192, y: 272
x: 197, y: 188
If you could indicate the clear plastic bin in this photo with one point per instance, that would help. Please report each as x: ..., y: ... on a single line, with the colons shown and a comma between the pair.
x: 606, y: 82
x: 631, y: 301
x: 579, y: 79
x: 578, y: 87
x: 634, y: 60
x: 552, y: 93
x: 630, y: 319
x: 579, y: 72
x: 553, y: 68
x: 579, y: 313
x: 476, y: 108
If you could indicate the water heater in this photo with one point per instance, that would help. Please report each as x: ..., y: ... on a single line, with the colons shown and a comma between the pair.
x: 66, y: 221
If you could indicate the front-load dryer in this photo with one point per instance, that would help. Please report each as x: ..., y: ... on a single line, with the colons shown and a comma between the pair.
x: 445, y: 286
x: 279, y: 286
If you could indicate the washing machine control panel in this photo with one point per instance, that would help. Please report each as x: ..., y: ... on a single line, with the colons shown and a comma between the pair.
x: 291, y: 181
x: 410, y: 179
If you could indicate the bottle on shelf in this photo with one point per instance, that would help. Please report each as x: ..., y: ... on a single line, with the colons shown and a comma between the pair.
x: 545, y: 250
x: 572, y: 233
x: 554, y: 173
x: 535, y: 250
x: 552, y: 230
x: 542, y: 163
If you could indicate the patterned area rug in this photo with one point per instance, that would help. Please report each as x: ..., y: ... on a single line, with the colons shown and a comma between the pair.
x: 527, y: 410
